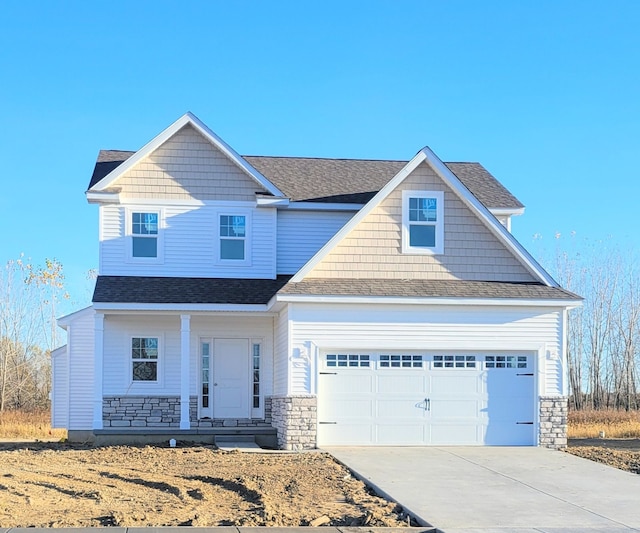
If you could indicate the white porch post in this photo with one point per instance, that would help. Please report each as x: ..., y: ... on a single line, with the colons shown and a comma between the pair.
x: 185, y: 338
x: 98, y: 362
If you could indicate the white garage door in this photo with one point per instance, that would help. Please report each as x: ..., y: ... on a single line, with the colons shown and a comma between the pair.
x: 417, y: 399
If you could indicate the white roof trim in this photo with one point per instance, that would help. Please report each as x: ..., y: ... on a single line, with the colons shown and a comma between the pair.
x: 321, y: 206
x: 426, y: 154
x: 502, y: 211
x: 103, y: 197
x: 198, y: 125
x: 100, y: 307
x: 502, y: 302
x: 59, y: 351
x: 67, y: 320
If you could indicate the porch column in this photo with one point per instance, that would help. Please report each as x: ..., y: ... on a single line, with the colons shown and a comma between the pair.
x: 185, y: 338
x: 98, y: 361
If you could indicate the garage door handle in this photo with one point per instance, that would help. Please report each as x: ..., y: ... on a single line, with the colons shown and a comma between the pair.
x: 524, y: 374
x: 525, y: 423
x: 427, y: 404
x: 328, y: 373
x: 327, y: 422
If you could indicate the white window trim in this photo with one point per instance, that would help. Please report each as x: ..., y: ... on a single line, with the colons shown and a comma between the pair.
x: 247, y: 239
x: 259, y: 411
x: 128, y: 213
x: 159, y: 382
x: 438, y: 249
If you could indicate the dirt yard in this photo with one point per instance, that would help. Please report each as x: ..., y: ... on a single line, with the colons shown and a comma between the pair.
x: 55, y: 485
x: 619, y: 453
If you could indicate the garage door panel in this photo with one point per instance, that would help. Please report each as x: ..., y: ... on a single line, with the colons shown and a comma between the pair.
x: 399, y: 408
x: 452, y: 408
x: 451, y: 434
x: 351, y: 434
x: 453, y: 383
x: 508, y: 434
x: 398, y: 434
x: 413, y: 383
x: 352, y: 381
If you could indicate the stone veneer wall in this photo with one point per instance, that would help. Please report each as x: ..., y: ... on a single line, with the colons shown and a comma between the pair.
x: 553, y: 422
x: 141, y: 411
x: 164, y: 411
x: 294, y: 417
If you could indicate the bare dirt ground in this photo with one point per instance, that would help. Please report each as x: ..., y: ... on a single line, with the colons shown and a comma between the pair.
x: 61, y: 485
x: 619, y: 453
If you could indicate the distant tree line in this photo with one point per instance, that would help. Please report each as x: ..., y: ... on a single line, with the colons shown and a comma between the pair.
x: 604, y: 334
x: 29, y: 297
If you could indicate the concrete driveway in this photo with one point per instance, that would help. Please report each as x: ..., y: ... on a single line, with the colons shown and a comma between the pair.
x: 500, y: 489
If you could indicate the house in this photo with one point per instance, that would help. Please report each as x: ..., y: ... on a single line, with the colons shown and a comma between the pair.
x: 310, y: 302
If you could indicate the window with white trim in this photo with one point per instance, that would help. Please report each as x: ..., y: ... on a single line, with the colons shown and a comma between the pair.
x: 423, y: 222
x: 454, y: 361
x: 233, y: 237
x: 400, y: 361
x: 144, y: 234
x: 506, y: 361
x: 348, y: 360
x: 144, y: 359
x: 256, y: 375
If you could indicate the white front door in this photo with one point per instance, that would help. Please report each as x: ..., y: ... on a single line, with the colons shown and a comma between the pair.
x: 231, y: 378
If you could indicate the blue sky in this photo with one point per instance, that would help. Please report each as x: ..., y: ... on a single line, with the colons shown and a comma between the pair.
x: 545, y: 94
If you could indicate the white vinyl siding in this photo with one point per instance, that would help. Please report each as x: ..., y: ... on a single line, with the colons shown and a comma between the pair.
x: 282, y: 350
x: 418, y: 328
x: 117, y: 351
x: 60, y: 388
x: 80, y: 353
x: 302, y: 233
x: 190, y: 243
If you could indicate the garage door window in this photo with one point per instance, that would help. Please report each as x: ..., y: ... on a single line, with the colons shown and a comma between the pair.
x: 400, y: 361
x: 348, y: 360
x: 454, y: 361
x: 506, y: 361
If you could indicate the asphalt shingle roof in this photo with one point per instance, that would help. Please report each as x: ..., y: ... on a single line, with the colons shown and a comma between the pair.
x: 160, y: 290
x: 427, y: 289
x: 340, y: 180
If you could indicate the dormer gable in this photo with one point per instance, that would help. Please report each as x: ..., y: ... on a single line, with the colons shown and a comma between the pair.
x: 424, y: 224
x: 186, y: 161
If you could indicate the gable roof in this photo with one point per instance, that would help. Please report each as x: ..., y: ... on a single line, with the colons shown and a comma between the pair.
x: 459, y: 188
x: 420, y: 288
x: 354, y: 181
x: 114, y: 171
x: 168, y: 290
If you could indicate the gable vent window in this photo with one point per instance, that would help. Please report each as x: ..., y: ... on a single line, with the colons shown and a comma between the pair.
x: 233, y: 233
x: 144, y: 234
x: 422, y: 222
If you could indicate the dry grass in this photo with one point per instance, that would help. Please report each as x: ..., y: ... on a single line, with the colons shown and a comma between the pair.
x: 28, y: 425
x: 615, y: 424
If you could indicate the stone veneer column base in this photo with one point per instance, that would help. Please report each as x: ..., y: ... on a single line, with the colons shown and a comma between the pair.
x: 553, y: 422
x: 141, y: 411
x: 295, y: 419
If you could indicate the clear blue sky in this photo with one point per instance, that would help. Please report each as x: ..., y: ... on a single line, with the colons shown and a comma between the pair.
x: 545, y: 94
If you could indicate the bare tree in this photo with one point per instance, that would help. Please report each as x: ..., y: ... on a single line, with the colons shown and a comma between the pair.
x: 28, y: 301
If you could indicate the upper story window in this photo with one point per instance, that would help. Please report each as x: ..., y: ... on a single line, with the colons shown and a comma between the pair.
x: 145, y: 233
x: 423, y: 222
x: 233, y: 237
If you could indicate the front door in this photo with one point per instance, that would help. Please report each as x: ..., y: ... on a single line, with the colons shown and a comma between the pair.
x: 230, y: 378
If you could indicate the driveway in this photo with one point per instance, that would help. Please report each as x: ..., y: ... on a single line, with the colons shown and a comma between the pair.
x: 465, y: 489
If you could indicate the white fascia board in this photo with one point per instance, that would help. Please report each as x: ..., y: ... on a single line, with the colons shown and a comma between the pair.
x: 321, y: 206
x: 156, y: 142
x: 504, y: 211
x: 233, y: 308
x: 485, y: 215
x: 492, y: 302
x: 271, y: 201
x: 346, y: 229
x: 67, y: 320
x: 103, y: 197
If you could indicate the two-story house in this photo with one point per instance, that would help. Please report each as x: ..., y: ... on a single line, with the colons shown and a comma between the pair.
x: 310, y: 302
